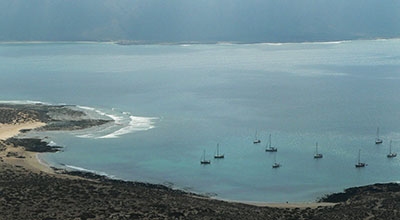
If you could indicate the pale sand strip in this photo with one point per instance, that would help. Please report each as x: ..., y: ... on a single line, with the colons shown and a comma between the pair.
x: 11, y: 130
x: 30, y: 160
x: 294, y: 205
x: 287, y: 205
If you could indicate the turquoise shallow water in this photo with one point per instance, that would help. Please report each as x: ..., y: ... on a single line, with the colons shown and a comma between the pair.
x: 171, y: 102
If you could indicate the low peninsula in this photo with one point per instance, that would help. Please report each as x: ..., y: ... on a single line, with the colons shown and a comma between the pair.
x: 30, y: 189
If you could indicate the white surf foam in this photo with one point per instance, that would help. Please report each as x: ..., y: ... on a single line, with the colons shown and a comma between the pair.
x: 327, y: 42
x: 135, y: 124
x: 86, y: 108
x: 124, y: 123
x: 23, y: 102
x: 114, y: 117
x: 52, y: 144
x: 273, y: 44
x: 85, y: 136
x: 87, y: 170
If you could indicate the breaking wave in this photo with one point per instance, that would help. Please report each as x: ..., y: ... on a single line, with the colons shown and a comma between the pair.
x: 75, y: 168
x: 135, y: 124
x: 123, y: 123
x: 24, y: 102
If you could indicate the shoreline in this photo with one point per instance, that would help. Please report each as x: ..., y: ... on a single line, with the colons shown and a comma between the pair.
x: 285, y: 205
x: 31, y: 160
x: 33, y: 189
x: 22, y: 157
x: 33, y: 163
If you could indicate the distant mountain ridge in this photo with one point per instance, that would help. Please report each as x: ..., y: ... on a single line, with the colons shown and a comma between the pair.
x: 198, y: 21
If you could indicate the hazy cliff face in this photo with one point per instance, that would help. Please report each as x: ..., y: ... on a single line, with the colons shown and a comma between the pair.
x: 208, y: 20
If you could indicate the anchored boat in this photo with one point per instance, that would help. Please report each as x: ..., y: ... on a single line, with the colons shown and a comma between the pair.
x: 203, y: 159
x: 317, y: 155
x: 360, y: 164
x: 218, y: 155
x: 269, y: 147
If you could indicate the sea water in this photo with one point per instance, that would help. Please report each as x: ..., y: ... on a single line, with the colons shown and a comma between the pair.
x: 172, y: 102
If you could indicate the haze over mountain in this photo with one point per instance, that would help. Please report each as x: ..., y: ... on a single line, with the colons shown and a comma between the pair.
x: 198, y: 20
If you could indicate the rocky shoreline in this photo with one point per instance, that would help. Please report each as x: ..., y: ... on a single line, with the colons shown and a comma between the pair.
x: 64, y: 194
x: 56, y: 117
x: 32, y: 145
x: 28, y: 195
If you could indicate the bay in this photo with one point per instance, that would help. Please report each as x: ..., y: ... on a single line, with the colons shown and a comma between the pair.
x: 189, y: 98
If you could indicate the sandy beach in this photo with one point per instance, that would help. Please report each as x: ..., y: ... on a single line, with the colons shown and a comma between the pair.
x: 30, y: 189
x: 21, y: 157
x: 295, y: 205
x: 11, y: 130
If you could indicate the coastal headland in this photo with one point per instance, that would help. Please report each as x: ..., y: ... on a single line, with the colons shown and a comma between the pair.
x: 29, y: 189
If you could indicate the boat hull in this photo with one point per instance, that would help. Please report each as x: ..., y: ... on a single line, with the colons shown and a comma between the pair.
x: 276, y: 165
x: 318, y: 156
x: 359, y: 165
x: 205, y: 162
x: 391, y: 155
x: 271, y: 150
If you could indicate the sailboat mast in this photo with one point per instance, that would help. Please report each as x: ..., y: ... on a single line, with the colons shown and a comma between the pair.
x: 377, y: 139
x: 269, y: 141
x: 377, y: 132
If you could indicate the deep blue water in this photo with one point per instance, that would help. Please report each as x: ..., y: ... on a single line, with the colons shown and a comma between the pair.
x: 189, y: 98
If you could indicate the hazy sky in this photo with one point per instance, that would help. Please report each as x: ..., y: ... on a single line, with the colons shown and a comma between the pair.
x: 199, y: 20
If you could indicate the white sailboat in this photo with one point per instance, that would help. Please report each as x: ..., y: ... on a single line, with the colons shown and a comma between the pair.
x: 391, y: 154
x: 377, y: 139
x: 269, y: 147
x: 218, y: 155
x: 256, y: 140
x: 276, y: 164
x: 359, y: 164
x: 317, y: 155
x: 203, y: 159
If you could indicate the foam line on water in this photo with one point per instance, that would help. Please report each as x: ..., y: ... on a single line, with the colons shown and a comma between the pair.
x: 52, y: 144
x: 87, y: 170
x: 135, y: 124
x: 116, y: 118
x: 124, y: 123
x: 23, y: 102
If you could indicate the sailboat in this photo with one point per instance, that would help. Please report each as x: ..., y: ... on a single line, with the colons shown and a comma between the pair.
x: 390, y: 155
x: 269, y: 147
x: 360, y: 164
x: 218, y: 155
x: 317, y: 155
x: 256, y: 140
x: 276, y: 165
x: 203, y: 159
x: 377, y: 139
